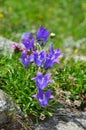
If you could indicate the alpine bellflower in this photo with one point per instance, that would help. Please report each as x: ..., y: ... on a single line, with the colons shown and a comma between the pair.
x: 43, y: 97
x: 26, y: 59
x: 50, y: 62
x: 56, y: 52
x: 28, y: 43
x: 52, y: 57
x: 44, y: 59
x: 42, y: 80
x: 27, y: 35
x: 39, y: 58
x: 42, y: 35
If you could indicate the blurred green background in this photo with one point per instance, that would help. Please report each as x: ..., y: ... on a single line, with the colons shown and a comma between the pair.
x: 65, y: 18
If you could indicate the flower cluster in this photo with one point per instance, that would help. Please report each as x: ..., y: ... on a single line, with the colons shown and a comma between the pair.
x: 41, y: 58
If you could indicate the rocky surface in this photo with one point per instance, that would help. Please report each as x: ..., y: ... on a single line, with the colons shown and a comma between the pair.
x: 7, y: 108
x: 64, y: 119
x: 6, y: 46
x: 75, y: 49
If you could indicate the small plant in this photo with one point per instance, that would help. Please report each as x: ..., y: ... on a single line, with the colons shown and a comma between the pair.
x: 40, y: 61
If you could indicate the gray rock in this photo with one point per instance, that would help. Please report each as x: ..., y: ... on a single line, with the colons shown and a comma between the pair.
x: 71, y: 43
x: 68, y: 126
x: 64, y: 119
x: 7, y: 108
x: 6, y: 46
x: 75, y: 49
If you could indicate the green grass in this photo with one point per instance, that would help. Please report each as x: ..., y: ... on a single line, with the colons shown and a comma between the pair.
x: 63, y: 17
x: 71, y: 76
x: 16, y: 81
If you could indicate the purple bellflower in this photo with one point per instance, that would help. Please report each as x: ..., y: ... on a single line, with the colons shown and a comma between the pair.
x: 39, y: 58
x: 42, y: 35
x: 26, y: 59
x: 43, y: 98
x: 50, y: 62
x: 42, y: 80
x: 27, y: 35
x: 28, y: 43
x: 52, y: 57
x: 57, y: 53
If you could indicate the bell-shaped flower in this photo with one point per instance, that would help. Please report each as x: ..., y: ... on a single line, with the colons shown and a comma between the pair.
x: 26, y: 59
x: 50, y: 62
x: 42, y: 80
x: 52, y: 57
x: 42, y: 35
x: 55, y: 52
x: 39, y: 58
x: 28, y: 43
x: 27, y: 35
x: 43, y: 97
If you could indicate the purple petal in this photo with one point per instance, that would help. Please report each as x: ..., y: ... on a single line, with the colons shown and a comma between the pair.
x: 27, y: 35
x: 42, y: 80
x: 39, y: 74
x: 48, y: 94
x: 23, y: 56
x: 51, y: 48
x: 44, y: 103
x: 24, y: 50
x: 51, y: 81
x: 39, y: 58
x: 28, y: 43
x: 42, y: 35
x: 48, y: 75
x: 42, y: 98
x: 34, y: 78
x: 51, y: 96
x: 57, y: 60
x: 40, y: 94
x: 25, y: 60
x: 31, y: 58
x: 35, y: 96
